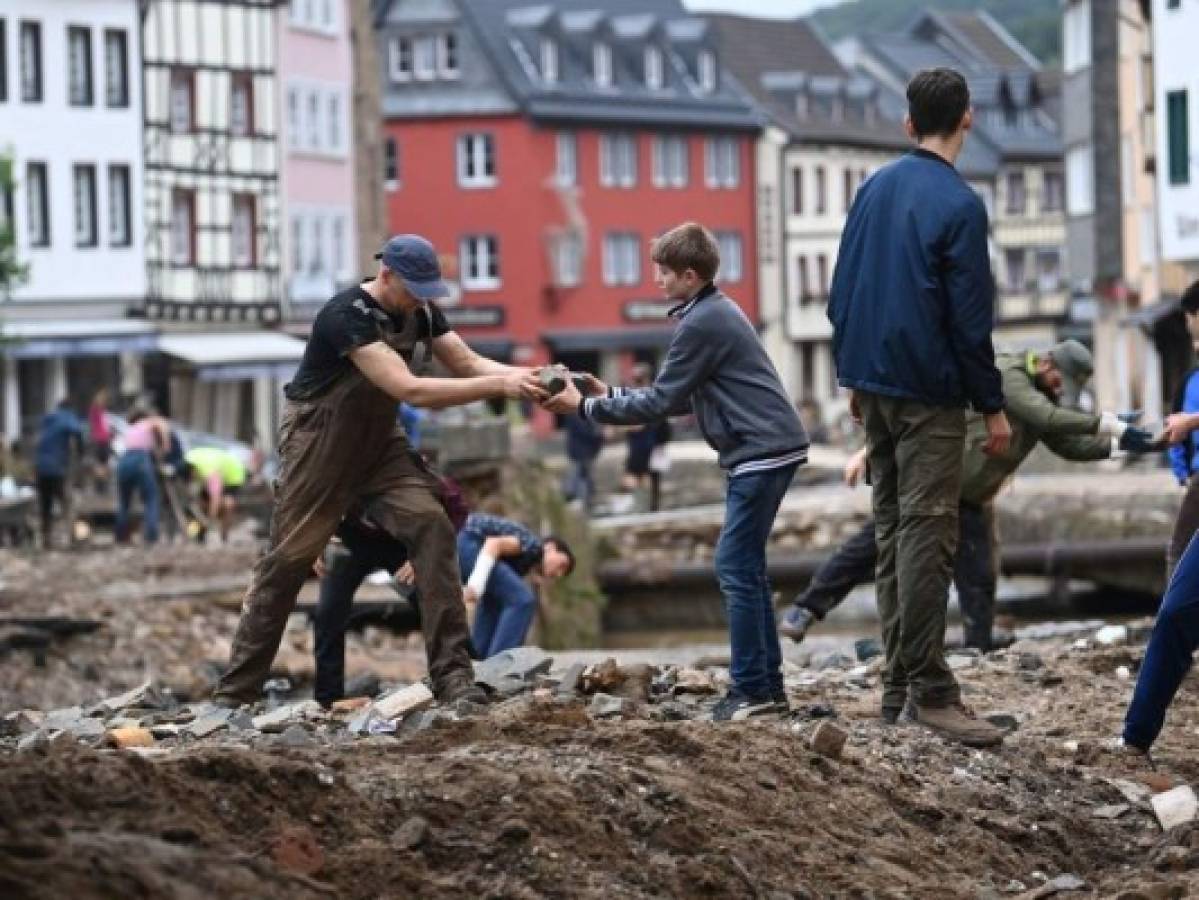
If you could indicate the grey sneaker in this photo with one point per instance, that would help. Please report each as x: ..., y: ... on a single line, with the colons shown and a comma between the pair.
x: 796, y: 622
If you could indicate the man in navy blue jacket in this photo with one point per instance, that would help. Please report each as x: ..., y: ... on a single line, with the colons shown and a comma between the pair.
x: 60, y: 433
x: 912, y: 305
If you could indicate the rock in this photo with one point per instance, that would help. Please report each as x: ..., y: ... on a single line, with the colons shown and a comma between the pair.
x: 512, y: 671
x: 130, y: 737
x: 637, y: 681
x: 693, y: 681
x: 296, y: 850
x: 1057, y: 885
x: 423, y: 720
x: 23, y: 721
x: 1112, y: 634
x: 350, y: 704
x: 34, y: 741
x: 713, y: 661
x: 672, y: 712
x: 829, y: 740
x: 1132, y: 791
x: 1110, y: 811
x: 212, y: 721
x: 1006, y: 721
x: 959, y: 661
x: 605, y: 706
x: 603, y: 677
x: 569, y: 682
x: 514, y: 831
x: 296, y: 736
x: 412, y: 834
x: 278, y: 719
x: 364, y: 685
x: 404, y: 701
x: 62, y: 719
x: 1175, y: 807
x: 241, y: 720
x: 88, y: 729
x: 142, y: 695
x: 832, y: 660
x: 867, y: 648
x: 1123, y: 673
x: 1029, y: 662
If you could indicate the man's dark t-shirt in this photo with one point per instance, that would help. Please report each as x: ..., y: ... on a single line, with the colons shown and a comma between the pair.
x: 350, y: 320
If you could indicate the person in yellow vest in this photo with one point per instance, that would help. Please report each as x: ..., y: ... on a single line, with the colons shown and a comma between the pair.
x: 221, y: 475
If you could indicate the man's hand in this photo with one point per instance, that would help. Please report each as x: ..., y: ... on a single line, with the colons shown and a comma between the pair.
x: 468, y: 595
x: 855, y: 407
x: 856, y: 467
x: 1179, y: 426
x: 999, y: 434
x: 523, y: 384
x: 592, y: 386
x: 405, y: 574
x: 566, y: 401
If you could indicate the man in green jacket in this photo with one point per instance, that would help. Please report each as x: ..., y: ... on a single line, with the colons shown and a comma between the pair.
x: 1033, y: 385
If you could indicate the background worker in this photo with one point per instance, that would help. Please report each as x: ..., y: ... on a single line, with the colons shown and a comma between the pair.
x: 60, y: 433
x: 221, y: 475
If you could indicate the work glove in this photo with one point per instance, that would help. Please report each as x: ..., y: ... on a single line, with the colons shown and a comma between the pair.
x: 1112, y: 425
x: 1137, y: 440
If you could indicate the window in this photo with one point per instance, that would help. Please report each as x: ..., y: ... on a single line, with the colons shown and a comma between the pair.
x: 1080, y: 181
x: 705, y: 71
x: 822, y: 275
x: 79, y: 65
x: 821, y: 191
x: 1014, y: 268
x: 618, y: 160
x: 480, y: 264
x: 1127, y: 179
x: 847, y: 188
x: 31, y: 62
x: 601, y: 65
x: 297, y: 245
x: 327, y: 11
x: 622, y: 259
x: 549, y: 61
x: 1055, y: 192
x: 3, y: 60
x: 400, y: 59
x: 723, y: 163
x: 424, y: 57
x: 85, y: 205
x: 1049, y: 270
x: 805, y: 290
x: 116, y: 68
x: 670, y: 162
x: 182, y: 101
x: 183, y: 227
x: 244, y: 231
x: 314, y: 120
x: 476, y: 160
x: 337, y: 256
x: 1076, y: 36
x: 316, y: 256
x: 568, y: 260
x: 293, y: 118
x: 37, y: 189
x: 447, y: 55
x: 655, y: 76
x: 241, y: 105
x: 120, y: 223
x: 391, y: 164
x: 730, y: 256
x: 318, y: 15
x: 1016, y: 197
x: 334, y: 105
x: 1178, y: 148
x: 797, y: 191
x: 567, y: 167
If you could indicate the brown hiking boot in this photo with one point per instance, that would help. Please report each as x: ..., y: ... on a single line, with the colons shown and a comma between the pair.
x: 459, y: 686
x: 957, y: 724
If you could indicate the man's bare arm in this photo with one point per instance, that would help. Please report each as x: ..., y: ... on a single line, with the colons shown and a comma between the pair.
x: 386, y: 370
x: 453, y: 353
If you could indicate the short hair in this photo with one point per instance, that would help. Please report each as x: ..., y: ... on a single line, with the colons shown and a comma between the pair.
x: 937, y: 100
x: 689, y: 246
x: 1190, y: 298
x: 563, y: 548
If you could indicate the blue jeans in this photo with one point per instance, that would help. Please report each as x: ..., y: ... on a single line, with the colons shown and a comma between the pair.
x: 750, y: 507
x: 135, y: 473
x: 505, y: 611
x: 1168, y: 657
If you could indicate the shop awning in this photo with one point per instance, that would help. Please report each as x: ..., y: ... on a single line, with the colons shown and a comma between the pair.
x: 235, y: 356
x: 608, y: 339
x: 78, y: 337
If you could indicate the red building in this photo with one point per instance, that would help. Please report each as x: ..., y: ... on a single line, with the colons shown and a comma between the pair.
x: 541, y: 148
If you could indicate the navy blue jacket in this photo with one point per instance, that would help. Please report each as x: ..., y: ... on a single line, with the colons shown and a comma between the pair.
x: 59, y: 429
x: 912, y: 300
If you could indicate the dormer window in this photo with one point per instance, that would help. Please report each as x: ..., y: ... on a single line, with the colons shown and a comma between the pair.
x: 654, y: 74
x: 706, y: 71
x: 549, y: 60
x: 601, y: 65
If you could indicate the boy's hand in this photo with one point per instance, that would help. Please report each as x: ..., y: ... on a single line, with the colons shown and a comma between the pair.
x: 565, y: 402
x: 468, y: 595
x: 405, y: 574
x: 592, y: 386
x: 856, y: 467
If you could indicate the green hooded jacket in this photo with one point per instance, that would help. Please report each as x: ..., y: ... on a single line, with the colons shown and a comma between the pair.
x: 1033, y: 417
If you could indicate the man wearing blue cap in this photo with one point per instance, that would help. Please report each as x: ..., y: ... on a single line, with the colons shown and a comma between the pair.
x: 340, y: 445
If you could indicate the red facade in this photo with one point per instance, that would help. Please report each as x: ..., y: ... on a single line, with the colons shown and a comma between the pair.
x: 593, y: 321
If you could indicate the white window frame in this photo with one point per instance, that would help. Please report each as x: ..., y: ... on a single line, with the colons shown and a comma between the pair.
x: 316, y: 262
x: 81, y: 85
x: 297, y: 244
x: 241, y: 230
x: 182, y: 85
x: 183, y: 230
x: 83, y: 180
x: 400, y: 58
x: 312, y: 115
x: 37, y: 187
x: 705, y: 71
x: 475, y: 151
x: 722, y: 163
x: 295, y: 118
x: 1015, y: 261
x: 568, y: 260
x: 449, y: 55
x: 732, y: 257
x: 621, y: 259
x: 116, y: 68
x: 670, y: 162
x: 478, y: 255
x: 601, y: 64
x: 618, y: 160
x: 120, y: 205
x: 245, y: 126
x: 1080, y: 181
x: 424, y: 57
x: 1076, y: 36
x: 655, y: 68
x: 335, y: 111
x: 338, y: 257
x: 548, y: 60
x: 566, y: 166
x: 1043, y: 253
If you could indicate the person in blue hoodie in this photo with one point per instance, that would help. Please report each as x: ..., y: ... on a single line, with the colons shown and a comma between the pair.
x: 59, y: 434
x: 912, y: 307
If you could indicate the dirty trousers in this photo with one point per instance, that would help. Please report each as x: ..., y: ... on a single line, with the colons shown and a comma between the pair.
x: 342, y: 449
x: 916, y: 470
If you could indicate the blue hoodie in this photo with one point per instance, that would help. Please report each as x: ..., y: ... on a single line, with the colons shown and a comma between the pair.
x: 59, y: 428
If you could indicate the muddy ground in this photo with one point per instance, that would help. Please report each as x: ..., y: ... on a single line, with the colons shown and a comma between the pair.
x: 535, y: 797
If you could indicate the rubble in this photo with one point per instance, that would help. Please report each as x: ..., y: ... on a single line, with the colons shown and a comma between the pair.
x: 404, y: 701
x: 1175, y: 807
x: 829, y: 740
x: 123, y: 738
x: 513, y: 670
x: 277, y: 720
x: 605, y: 706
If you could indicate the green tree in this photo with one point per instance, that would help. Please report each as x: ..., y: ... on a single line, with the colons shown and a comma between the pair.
x: 12, y: 273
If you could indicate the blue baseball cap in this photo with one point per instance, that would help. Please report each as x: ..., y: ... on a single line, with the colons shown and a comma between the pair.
x: 414, y: 260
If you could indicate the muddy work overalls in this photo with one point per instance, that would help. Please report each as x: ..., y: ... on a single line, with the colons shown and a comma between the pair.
x: 342, y: 448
